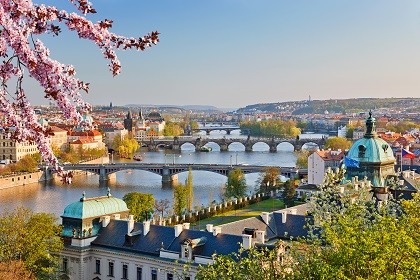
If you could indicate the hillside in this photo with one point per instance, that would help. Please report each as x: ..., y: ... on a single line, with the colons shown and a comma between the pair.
x: 407, y: 105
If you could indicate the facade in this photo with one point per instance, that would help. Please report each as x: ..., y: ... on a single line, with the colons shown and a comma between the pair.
x: 110, y: 136
x: 319, y: 161
x: 91, y: 139
x: 13, y: 151
x: 58, y: 138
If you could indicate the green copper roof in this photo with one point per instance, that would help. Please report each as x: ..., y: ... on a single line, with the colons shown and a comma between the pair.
x: 371, y: 148
x: 94, y: 207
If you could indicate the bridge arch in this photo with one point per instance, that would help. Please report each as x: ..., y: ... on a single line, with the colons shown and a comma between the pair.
x: 236, y: 147
x: 260, y: 146
x: 213, y: 145
x: 285, y: 147
x: 310, y: 146
x: 187, y: 146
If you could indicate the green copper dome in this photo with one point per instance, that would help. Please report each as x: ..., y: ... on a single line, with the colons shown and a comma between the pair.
x: 371, y: 148
x: 374, y: 156
x: 94, y: 207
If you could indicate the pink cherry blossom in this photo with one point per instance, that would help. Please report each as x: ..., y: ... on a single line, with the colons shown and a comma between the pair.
x: 19, y: 21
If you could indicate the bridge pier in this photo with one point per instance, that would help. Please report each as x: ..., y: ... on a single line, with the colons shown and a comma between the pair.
x: 102, y: 174
x: 168, y: 180
x: 248, y: 147
x: 224, y: 147
x: 273, y: 148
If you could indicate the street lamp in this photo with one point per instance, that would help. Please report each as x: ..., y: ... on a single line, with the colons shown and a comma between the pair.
x: 230, y: 160
x: 236, y: 158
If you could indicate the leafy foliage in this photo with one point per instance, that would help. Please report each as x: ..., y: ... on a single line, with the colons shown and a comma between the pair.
x: 268, y: 179
x: 190, y: 190
x: 15, y: 270
x: 236, y: 184
x: 126, y: 147
x: 172, y: 129
x: 335, y: 143
x: 33, y: 238
x: 180, y: 199
x: 271, y: 128
x: 140, y: 204
x: 302, y: 158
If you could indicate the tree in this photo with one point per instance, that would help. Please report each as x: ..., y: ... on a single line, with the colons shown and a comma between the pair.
x: 190, y: 190
x: 15, y: 270
x: 335, y: 143
x: 236, y: 184
x: 161, y: 206
x: 33, y: 238
x: 172, y: 129
x: 126, y: 147
x: 22, y: 24
x: 140, y: 204
x: 289, y: 192
x: 268, y: 180
x: 180, y: 199
x: 302, y: 158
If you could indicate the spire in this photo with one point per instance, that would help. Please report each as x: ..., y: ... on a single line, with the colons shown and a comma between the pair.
x: 141, y: 114
x: 109, y: 192
x: 129, y: 117
x: 370, y: 126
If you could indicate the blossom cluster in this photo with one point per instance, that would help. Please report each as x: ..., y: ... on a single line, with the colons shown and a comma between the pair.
x: 21, y: 24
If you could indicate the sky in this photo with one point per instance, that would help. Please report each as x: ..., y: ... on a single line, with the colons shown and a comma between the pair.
x: 233, y: 53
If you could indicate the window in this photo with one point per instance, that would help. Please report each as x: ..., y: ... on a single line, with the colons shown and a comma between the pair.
x: 111, y: 269
x: 65, y: 265
x: 154, y: 274
x: 124, y: 271
x: 169, y: 276
x: 187, y: 278
x: 98, y: 267
x: 139, y: 273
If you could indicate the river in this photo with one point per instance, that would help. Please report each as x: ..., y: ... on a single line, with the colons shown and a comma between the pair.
x: 53, y: 196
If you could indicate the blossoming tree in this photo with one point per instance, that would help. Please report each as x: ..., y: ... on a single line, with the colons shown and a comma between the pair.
x: 21, y: 24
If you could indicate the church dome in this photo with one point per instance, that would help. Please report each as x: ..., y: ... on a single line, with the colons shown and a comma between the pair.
x: 95, y: 207
x: 370, y: 157
x: 371, y: 148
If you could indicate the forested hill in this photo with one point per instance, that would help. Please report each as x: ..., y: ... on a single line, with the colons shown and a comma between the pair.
x: 408, y: 105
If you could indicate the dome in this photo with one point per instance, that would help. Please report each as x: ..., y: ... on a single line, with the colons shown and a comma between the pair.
x: 371, y: 148
x: 371, y: 157
x: 94, y: 207
x: 154, y: 116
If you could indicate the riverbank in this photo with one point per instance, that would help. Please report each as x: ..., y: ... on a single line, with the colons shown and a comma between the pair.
x: 21, y: 179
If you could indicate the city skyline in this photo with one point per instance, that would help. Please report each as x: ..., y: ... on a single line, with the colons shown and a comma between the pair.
x: 234, y: 53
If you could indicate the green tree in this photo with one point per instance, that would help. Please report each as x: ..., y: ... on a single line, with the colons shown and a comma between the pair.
x: 335, y: 143
x: 180, y: 199
x: 289, y: 192
x: 33, y: 238
x: 302, y: 158
x: 140, y: 204
x: 236, y: 184
x: 126, y: 147
x: 190, y: 190
x: 268, y: 179
x: 172, y: 129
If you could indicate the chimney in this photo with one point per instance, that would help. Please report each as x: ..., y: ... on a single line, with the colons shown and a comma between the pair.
x: 186, y: 225
x: 178, y: 230
x: 146, y: 227
x: 283, y: 216
x: 266, y: 217
x: 217, y: 230
x: 130, y: 223
x: 209, y: 228
x: 260, y: 236
x: 105, y: 220
x: 246, y: 241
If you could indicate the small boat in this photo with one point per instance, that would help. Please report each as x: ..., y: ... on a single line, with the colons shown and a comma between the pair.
x: 205, y: 149
x: 138, y: 157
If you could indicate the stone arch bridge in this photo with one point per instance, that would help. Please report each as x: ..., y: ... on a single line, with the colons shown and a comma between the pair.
x: 175, y: 143
x: 169, y: 172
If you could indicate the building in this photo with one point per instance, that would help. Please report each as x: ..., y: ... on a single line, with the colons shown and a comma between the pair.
x: 58, y: 138
x: 319, y: 161
x: 13, y: 151
x: 103, y: 242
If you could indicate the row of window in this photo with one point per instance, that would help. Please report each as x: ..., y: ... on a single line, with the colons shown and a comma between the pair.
x: 139, y: 271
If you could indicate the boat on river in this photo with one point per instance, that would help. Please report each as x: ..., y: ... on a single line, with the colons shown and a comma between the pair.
x: 205, y: 149
x: 138, y: 157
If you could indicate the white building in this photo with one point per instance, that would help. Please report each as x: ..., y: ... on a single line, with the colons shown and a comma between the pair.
x: 319, y: 161
x: 13, y: 151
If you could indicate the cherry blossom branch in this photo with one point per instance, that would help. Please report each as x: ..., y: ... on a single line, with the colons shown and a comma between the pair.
x: 20, y: 20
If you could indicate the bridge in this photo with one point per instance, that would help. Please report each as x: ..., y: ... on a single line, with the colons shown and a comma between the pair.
x: 169, y: 172
x: 175, y: 143
x: 209, y: 129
